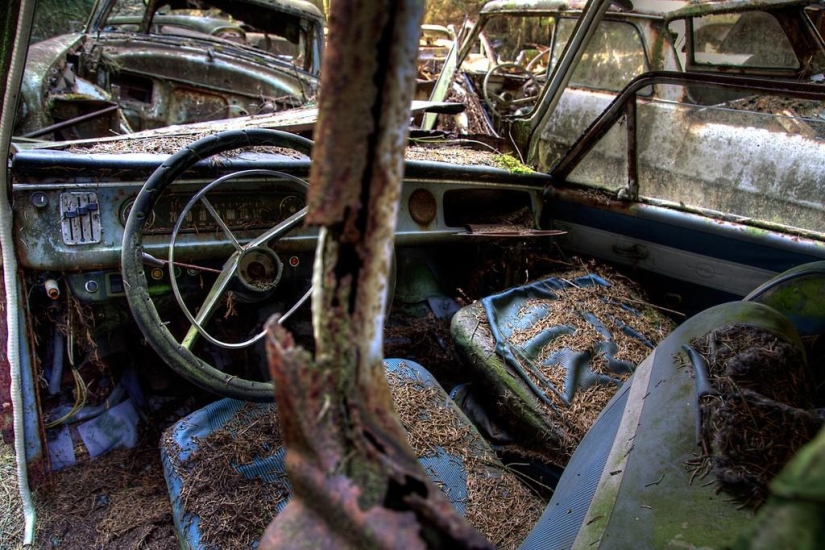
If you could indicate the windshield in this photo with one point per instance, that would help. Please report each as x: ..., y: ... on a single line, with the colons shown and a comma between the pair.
x: 524, y: 40
x: 285, y: 35
x: 613, y: 57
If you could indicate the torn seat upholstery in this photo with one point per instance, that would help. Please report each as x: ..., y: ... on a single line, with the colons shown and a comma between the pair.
x: 546, y: 357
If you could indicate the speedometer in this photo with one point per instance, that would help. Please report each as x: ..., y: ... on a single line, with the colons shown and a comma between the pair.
x: 290, y: 205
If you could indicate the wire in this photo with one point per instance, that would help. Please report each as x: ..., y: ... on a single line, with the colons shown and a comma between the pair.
x: 81, y: 394
x: 81, y: 390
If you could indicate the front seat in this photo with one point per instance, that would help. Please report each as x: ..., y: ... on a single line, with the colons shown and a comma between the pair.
x: 644, y: 477
x: 545, y: 358
x: 225, y: 471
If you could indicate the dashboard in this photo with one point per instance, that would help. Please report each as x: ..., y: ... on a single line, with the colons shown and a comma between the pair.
x: 71, y: 209
x: 242, y: 210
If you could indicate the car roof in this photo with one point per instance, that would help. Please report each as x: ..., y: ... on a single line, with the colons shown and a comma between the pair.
x: 668, y: 9
x: 696, y: 8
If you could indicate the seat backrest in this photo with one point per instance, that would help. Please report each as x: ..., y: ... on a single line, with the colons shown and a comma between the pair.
x: 627, y: 485
x: 799, y: 294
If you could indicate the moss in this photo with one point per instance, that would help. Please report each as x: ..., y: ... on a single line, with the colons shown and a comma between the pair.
x: 802, y: 299
x: 512, y: 164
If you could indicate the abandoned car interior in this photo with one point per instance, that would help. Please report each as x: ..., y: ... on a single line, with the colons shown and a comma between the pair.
x: 605, y: 301
x: 141, y: 65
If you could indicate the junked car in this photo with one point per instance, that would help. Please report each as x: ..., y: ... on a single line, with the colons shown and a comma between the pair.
x: 562, y: 286
x: 513, y: 48
x: 142, y: 65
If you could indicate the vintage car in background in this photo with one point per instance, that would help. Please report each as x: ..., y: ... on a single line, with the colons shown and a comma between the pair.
x: 524, y: 45
x: 132, y: 69
x: 513, y: 48
x: 601, y: 311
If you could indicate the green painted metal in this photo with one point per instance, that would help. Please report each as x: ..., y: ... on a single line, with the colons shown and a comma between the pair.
x: 646, y: 499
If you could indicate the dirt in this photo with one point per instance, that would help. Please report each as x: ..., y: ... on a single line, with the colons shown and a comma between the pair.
x: 498, y: 505
x: 118, y: 501
x: 234, y: 510
x: 453, y: 154
x: 11, y: 509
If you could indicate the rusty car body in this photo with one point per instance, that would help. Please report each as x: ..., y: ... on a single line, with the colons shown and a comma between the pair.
x: 146, y: 65
x: 140, y: 269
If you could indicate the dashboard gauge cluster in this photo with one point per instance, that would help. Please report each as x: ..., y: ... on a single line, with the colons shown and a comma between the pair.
x: 240, y: 211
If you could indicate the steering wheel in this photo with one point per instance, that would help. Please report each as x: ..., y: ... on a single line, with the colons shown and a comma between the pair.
x: 253, y: 266
x: 535, y: 61
x: 508, y: 100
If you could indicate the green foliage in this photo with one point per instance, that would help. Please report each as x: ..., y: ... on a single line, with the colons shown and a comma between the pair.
x: 55, y: 17
x: 451, y: 12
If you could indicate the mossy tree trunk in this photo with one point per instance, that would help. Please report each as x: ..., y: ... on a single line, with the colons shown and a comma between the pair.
x: 356, y: 481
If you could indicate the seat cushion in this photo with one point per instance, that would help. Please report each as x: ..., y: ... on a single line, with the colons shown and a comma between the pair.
x: 546, y: 357
x: 224, y: 466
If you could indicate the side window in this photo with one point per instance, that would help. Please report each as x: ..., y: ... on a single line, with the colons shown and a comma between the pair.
x: 757, y: 159
x: 612, y: 59
x: 749, y: 40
